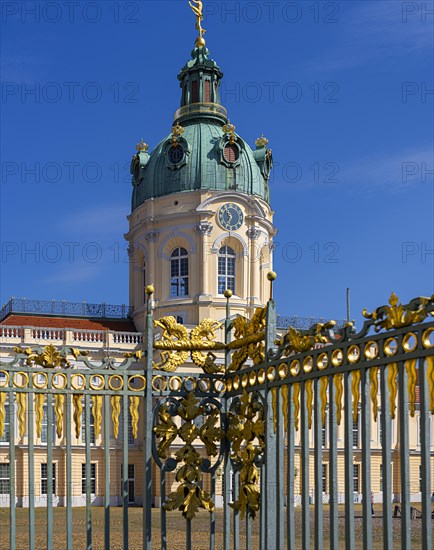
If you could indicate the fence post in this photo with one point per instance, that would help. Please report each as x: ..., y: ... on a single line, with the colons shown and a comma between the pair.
x: 227, y: 462
x: 147, y: 479
x: 270, y: 499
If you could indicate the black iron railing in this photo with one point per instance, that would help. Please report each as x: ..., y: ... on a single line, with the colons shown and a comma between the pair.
x: 71, y: 309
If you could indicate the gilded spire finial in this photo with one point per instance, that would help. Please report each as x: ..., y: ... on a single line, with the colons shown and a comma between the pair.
x: 197, y: 7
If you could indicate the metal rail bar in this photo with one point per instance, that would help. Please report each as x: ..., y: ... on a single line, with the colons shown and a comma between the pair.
x: 349, y: 470
x: 318, y: 466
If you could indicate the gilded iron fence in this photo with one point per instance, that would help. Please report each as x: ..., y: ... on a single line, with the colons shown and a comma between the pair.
x: 240, y: 420
x: 278, y: 391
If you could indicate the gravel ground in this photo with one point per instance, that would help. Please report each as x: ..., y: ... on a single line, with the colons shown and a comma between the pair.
x: 176, y: 529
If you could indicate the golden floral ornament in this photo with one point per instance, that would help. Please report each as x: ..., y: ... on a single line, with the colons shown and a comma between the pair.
x: 176, y: 345
x: 190, y: 464
x: 50, y: 357
x: 396, y: 315
x: 300, y: 341
x: 246, y: 435
x: 249, y: 339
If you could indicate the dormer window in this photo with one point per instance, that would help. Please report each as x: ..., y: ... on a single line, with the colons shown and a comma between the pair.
x: 176, y: 155
x: 231, y: 153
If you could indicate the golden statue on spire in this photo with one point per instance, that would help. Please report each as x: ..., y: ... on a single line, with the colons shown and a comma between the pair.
x: 197, y: 8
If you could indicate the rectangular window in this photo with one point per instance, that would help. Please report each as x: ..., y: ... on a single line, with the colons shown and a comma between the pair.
x: 419, y: 431
x: 44, y: 431
x: 324, y: 435
x: 356, y: 478
x: 7, y: 424
x: 324, y: 478
x: 91, y: 427
x: 131, y: 482
x: 5, y: 479
x: 44, y: 479
x: 92, y: 479
x: 381, y: 477
x: 356, y: 432
x: 420, y: 477
x: 130, y: 428
x: 380, y: 429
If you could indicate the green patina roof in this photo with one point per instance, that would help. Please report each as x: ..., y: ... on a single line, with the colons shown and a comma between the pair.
x: 200, y: 144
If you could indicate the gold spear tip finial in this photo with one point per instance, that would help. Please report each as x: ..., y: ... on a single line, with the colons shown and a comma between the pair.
x: 272, y: 276
x: 228, y: 294
x: 150, y: 290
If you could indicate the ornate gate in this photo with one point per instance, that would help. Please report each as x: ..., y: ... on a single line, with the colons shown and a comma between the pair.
x: 271, y: 434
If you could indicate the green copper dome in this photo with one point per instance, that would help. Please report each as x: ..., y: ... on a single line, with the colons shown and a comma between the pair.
x: 203, y: 151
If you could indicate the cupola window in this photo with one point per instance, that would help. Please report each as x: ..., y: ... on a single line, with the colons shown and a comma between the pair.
x: 179, y: 273
x: 195, y: 91
x: 226, y: 269
x: 231, y: 152
x: 176, y: 154
x: 207, y: 91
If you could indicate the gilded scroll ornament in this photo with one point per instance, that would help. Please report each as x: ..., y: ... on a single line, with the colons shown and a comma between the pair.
x: 2, y: 412
x: 309, y: 402
x: 373, y: 376
x: 396, y: 315
x: 50, y: 357
x: 201, y: 335
x: 392, y: 371
x: 115, y: 401
x: 189, y: 496
x: 176, y: 344
x: 97, y: 413
x: 285, y: 397
x: 39, y: 413
x: 323, y: 395
x: 249, y: 339
x: 21, y: 412
x: 300, y: 341
x: 134, y: 412
x: 355, y: 390
x: 77, y: 401
x: 246, y: 435
x: 337, y: 380
x: 410, y: 367
x: 59, y: 400
x: 296, y: 403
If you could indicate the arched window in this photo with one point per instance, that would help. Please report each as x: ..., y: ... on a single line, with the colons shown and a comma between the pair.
x: 226, y: 269
x: 179, y: 273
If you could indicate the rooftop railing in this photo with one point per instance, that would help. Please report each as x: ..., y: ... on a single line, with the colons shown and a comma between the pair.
x: 70, y: 309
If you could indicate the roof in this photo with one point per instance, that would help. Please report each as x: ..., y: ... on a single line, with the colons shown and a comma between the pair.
x: 34, y: 320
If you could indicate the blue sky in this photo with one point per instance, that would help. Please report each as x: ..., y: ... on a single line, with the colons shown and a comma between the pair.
x: 341, y: 89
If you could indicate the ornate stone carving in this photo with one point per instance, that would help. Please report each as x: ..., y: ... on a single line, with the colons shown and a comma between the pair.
x: 204, y: 228
x: 152, y: 235
x: 253, y: 233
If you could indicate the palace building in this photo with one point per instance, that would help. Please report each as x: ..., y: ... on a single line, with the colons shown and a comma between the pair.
x: 201, y: 223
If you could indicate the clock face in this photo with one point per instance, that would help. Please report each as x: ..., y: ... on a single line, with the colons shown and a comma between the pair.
x: 230, y: 217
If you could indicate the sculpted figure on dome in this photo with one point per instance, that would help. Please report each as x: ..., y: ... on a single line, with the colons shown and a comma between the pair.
x: 198, y: 11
